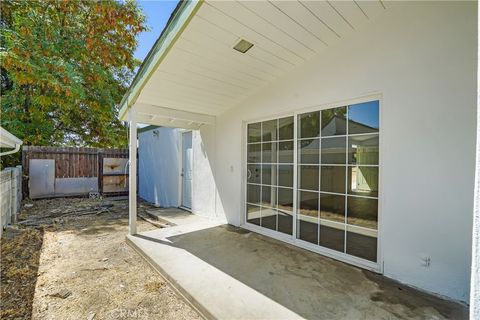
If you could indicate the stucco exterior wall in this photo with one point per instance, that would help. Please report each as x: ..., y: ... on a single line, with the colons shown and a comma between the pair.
x: 160, y: 165
x: 421, y: 58
x: 203, y: 194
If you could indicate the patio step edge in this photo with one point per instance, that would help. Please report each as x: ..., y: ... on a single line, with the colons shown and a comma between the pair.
x: 191, y: 301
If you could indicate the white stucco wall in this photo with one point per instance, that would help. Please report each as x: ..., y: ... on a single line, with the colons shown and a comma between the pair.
x: 422, y: 58
x: 159, y: 166
x: 203, y: 194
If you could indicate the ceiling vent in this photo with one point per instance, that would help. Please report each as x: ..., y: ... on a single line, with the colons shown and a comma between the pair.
x: 243, y: 46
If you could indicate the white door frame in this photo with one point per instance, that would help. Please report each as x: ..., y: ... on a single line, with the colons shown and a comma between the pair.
x: 180, y: 176
x: 365, y: 264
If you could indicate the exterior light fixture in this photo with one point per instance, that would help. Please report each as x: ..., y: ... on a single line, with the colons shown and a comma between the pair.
x: 243, y: 46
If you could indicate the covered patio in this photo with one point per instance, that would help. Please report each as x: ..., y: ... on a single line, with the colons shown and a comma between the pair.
x: 231, y: 273
x: 230, y: 70
x: 212, y: 55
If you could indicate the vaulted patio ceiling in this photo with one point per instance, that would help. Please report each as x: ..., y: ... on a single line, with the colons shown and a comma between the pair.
x: 193, y: 73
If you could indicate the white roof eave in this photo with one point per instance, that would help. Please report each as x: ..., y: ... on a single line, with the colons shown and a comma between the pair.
x: 8, y: 140
x: 158, y: 52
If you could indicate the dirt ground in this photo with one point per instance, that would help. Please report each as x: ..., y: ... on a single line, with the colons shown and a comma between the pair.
x: 68, y: 260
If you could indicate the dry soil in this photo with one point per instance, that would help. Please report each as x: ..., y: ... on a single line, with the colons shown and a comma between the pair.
x: 68, y: 260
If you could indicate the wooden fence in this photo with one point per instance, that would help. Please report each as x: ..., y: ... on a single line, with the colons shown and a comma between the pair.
x: 73, y: 170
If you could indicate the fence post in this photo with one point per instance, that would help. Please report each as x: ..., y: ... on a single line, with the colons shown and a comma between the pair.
x: 19, y: 190
x: 10, y: 195
x: 13, y: 182
x: 2, y: 207
x: 3, y: 200
x: 15, y: 204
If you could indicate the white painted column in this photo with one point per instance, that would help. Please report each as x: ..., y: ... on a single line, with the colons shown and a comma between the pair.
x: 132, y: 174
x: 475, y: 276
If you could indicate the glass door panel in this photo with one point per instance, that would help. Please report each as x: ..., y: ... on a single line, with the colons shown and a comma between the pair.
x: 346, y: 166
x: 337, y: 170
x: 270, y: 171
x: 332, y: 235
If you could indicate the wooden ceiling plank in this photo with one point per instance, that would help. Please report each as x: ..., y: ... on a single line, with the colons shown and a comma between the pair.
x: 181, y: 105
x: 208, y: 84
x: 256, y: 23
x: 213, y: 46
x: 190, y: 46
x: 276, y: 17
x: 178, y: 64
x: 299, y: 13
x: 372, y: 8
x: 229, y: 39
x: 218, y: 18
x: 173, y: 86
x: 198, y: 101
x: 326, y: 13
x: 350, y: 11
x: 209, y: 63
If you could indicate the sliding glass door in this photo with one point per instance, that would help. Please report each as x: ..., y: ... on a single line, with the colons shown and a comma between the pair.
x: 337, y: 177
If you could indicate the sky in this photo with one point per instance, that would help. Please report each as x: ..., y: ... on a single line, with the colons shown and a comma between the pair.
x: 366, y: 113
x: 157, y: 13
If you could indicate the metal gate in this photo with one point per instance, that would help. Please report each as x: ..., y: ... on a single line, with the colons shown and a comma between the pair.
x: 42, y: 178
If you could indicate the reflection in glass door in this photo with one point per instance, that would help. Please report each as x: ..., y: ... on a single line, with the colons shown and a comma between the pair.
x: 270, y: 149
x: 337, y: 170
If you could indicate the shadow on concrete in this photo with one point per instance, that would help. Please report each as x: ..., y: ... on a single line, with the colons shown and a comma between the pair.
x: 311, y: 285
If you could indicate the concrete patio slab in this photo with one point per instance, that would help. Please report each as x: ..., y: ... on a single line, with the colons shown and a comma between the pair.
x: 230, y: 273
x: 174, y: 216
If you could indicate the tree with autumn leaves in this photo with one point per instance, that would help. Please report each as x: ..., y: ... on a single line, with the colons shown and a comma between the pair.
x: 65, y: 65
